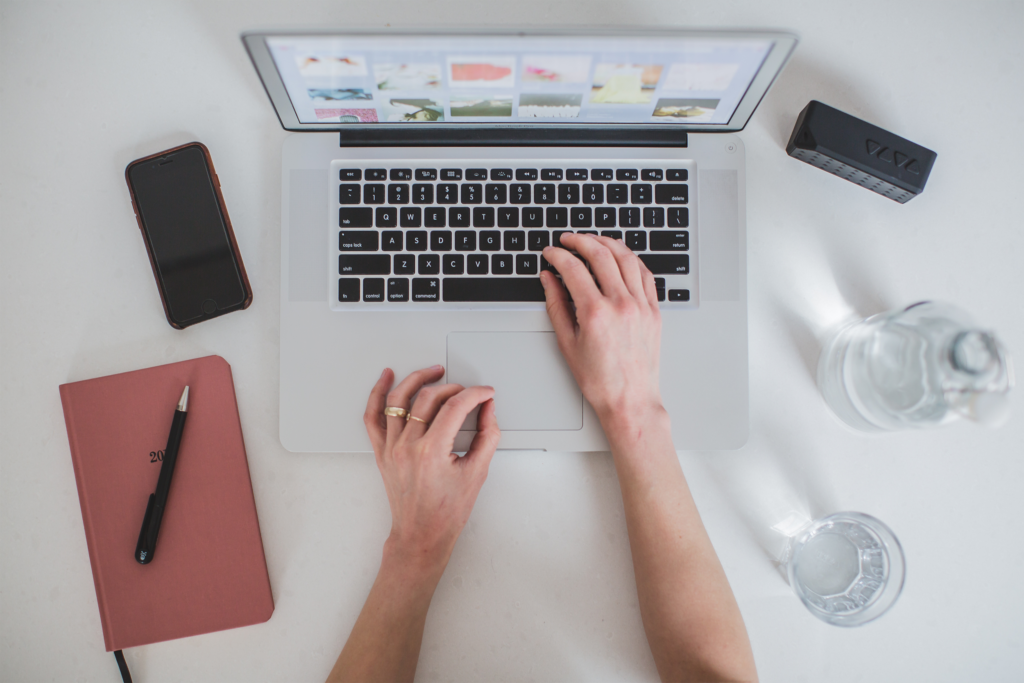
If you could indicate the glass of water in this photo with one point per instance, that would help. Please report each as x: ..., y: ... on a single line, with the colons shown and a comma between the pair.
x: 847, y: 568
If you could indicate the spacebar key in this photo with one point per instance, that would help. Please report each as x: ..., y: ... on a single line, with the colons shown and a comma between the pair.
x: 493, y: 289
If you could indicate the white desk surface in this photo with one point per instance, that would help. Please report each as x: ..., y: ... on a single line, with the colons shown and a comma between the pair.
x: 540, y: 586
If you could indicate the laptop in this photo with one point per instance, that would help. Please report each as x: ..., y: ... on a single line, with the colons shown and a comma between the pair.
x: 428, y: 170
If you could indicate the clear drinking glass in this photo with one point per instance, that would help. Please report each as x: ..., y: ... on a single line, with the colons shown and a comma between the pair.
x: 847, y: 568
x: 922, y: 366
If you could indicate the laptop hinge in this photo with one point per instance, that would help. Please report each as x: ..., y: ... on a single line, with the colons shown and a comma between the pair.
x: 412, y: 135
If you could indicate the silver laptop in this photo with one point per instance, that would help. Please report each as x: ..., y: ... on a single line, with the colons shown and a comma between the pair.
x: 428, y: 172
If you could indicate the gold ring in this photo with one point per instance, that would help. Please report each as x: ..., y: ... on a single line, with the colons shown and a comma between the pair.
x: 410, y: 416
x: 391, y: 411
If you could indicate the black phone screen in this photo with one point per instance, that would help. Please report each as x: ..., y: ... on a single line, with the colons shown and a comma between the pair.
x: 188, y: 239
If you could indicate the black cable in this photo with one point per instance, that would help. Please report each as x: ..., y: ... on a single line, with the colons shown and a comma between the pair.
x: 126, y: 675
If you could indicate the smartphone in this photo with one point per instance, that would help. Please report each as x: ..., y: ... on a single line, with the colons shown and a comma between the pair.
x: 178, y: 204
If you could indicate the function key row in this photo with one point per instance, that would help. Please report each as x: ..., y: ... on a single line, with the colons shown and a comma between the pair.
x: 652, y: 174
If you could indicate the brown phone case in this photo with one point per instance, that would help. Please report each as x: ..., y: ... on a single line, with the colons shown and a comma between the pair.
x: 227, y: 222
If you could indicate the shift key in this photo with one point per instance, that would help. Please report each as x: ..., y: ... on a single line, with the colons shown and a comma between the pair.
x: 665, y: 264
x: 355, y: 218
x: 364, y: 264
x: 358, y: 240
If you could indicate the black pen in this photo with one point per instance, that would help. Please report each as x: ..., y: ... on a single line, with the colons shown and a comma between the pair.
x: 146, y: 546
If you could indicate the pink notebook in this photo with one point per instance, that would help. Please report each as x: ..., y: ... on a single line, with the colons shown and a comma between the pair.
x: 208, y: 572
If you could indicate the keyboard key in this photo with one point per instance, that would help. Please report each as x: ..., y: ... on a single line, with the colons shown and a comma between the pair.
x: 636, y: 240
x: 551, y: 174
x: 593, y: 193
x: 426, y: 174
x: 401, y: 174
x: 496, y: 193
x: 387, y: 217
x: 453, y: 264
x: 458, y: 217
x: 447, y: 193
x: 434, y: 217
x: 537, y: 239
x: 617, y: 194
x: 476, y: 264
x: 515, y: 240
x: 501, y: 174
x: 676, y: 174
x: 472, y: 193
x: 526, y: 174
x: 659, y: 287
x: 351, y: 174
x: 670, y: 194
x: 426, y: 289
x: 348, y: 289
x: 508, y: 217
x: 602, y: 174
x: 490, y: 240
x: 405, y: 264
x: 544, y: 193
x: 580, y: 217
x: 493, y: 289
x: 654, y: 217
x: 476, y: 174
x: 358, y: 240
x: 483, y: 217
x: 629, y: 217
x: 391, y: 240
x: 678, y: 217
x: 416, y: 240
x: 526, y: 264
x: 373, y: 193
x: 465, y: 240
x: 667, y: 264
x: 614, y: 234
x: 626, y: 174
x: 678, y: 295
x: 604, y: 217
x: 501, y: 264
x: 410, y: 217
x: 650, y: 174
x: 576, y: 174
x: 640, y: 193
x: 373, y: 289
x: 349, y: 194
x: 440, y: 240
x: 568, y: 193
x: 422, y: 193
x: 398, y: 289
x: 533, y: 217
x: 520, y: 193
x: 376, y: 174
x: 429, y: 264
x: 451, y: 174
x: 556, y: 238
x: 355, y: 218
x: 670, y: 240
x: 558, y: 217
x: 586, y: 232
x: 364, y: 264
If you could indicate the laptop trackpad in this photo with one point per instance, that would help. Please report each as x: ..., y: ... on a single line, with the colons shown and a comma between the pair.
x: 533, y: 387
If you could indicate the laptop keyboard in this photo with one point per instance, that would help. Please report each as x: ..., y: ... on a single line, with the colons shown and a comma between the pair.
x: 464, y: 235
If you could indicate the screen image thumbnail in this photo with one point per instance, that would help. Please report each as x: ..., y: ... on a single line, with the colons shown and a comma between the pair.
x: 412, y: 110
x: 550, y: 105
x: 625, y: 83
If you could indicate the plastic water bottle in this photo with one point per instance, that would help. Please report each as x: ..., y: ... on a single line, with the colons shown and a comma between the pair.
x: 922, y: 366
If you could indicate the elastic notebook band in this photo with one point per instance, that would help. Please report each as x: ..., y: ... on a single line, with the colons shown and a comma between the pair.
x: 126, y: 675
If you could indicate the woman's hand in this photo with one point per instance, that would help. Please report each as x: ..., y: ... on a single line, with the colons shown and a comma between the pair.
x: 612, y: 340
x: 430, y: 489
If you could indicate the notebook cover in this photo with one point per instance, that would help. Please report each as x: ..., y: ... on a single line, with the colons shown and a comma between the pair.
x: 208, y: 572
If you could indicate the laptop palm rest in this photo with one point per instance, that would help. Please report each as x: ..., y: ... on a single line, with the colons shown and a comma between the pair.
x: 533, y: 387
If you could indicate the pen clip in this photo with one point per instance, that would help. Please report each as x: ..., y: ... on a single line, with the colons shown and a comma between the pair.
x: 143, y: 551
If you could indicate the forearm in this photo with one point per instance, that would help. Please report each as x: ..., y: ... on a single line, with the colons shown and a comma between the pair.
x: 691, y: 618
x: 384, y: 644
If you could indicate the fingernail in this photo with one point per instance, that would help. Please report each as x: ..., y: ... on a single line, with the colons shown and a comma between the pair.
x: 437, y: 367
x: 384, y: 373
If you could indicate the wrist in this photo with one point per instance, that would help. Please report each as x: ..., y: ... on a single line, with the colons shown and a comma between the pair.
x: 416, y: 562
x: 637, y: 427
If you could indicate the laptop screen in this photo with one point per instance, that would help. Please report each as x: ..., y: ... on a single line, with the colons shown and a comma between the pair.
x: 690, y: 80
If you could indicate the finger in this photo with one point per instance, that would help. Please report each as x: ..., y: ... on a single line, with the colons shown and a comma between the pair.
x: 563, y: 318
x: 373, y: 418
x: 604, y: 265
x: 629, y: 266
x: 575, y: 276
x: 428, y: 402
x: 453, y: 413
x: 650, y: 287
x: 481, y: 451
x: 401, y: 397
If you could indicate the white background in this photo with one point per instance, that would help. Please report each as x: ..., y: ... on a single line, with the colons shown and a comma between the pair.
x: 540, y: 586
